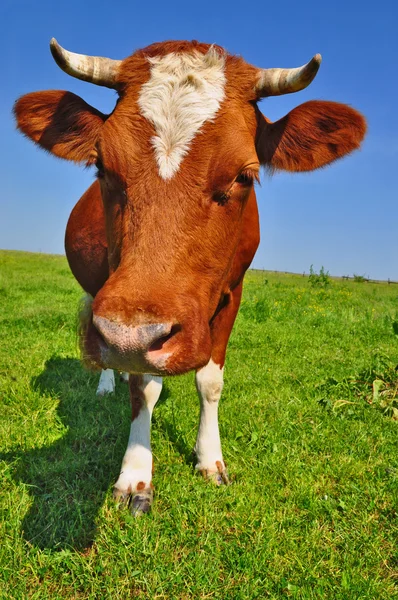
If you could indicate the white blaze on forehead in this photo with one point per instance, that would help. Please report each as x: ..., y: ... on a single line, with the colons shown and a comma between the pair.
x: 183, y: 92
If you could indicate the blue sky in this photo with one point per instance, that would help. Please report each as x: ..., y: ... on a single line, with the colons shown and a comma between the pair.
x: 344, y: 217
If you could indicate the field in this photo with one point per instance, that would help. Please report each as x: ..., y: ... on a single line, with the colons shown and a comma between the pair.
x: 309, y: 431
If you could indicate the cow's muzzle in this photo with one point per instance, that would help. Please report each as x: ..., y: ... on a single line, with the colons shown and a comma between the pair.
x: 142, y: 348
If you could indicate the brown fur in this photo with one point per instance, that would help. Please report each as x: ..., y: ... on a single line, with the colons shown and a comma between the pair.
x: 153, y: 251
x: 85, y: 316
x: 61, y: 123
x: 137, y: 397
x: 311, y: 136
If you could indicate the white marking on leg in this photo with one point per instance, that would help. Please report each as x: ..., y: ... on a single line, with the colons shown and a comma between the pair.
x: 184, y: 91
x: 209, y: 383
x: 106, y: 384
x: 137, y: 461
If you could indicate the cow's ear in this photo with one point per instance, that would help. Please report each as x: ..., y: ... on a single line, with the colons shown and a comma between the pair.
x: 310, y: 136
x: 60, y: 122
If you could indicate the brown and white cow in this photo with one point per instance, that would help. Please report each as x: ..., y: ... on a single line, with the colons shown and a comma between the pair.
x: 162, y: 239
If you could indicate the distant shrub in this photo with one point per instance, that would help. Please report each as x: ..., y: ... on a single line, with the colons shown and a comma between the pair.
x: 321, y: 279
x: 359, y: 278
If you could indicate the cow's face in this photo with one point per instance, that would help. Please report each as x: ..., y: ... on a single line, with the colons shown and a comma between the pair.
x: 177, y: 160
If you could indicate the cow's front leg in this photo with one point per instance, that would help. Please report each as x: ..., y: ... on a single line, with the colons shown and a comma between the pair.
x: 134, y: 486
x: 106, y: 384
x: 209, y: 383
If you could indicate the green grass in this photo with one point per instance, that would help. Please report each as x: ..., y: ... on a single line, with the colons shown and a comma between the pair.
x: 310, y: 442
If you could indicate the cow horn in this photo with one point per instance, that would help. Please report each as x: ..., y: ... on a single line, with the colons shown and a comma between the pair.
x: 94, y: 69
x: 275, y: 82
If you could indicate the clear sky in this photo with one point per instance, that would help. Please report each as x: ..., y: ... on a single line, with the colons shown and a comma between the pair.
x: 344, y: 217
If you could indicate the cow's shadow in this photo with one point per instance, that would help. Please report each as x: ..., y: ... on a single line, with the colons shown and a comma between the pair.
x: 68, y: 479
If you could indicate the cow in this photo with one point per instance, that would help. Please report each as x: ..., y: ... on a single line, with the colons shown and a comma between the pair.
x: 162, y: 239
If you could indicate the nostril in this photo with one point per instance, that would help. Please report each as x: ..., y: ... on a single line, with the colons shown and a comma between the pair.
x: 160, y: 342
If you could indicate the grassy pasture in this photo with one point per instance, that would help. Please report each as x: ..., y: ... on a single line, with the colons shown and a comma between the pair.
x: 310, y: 442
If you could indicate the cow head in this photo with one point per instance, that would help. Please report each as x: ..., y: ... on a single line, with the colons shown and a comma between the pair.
x: 177, y: 160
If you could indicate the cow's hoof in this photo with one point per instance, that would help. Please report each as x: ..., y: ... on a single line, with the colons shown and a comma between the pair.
x: 122, y: 498
x: 141, y: 503
x: 219, y: 477
x: 101, y: 391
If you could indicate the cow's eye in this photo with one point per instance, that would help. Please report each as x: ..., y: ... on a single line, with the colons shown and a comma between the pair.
x: 222, y: 197
x: 242, y: 182
x: 247, y: 177
x: 100, y: 168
